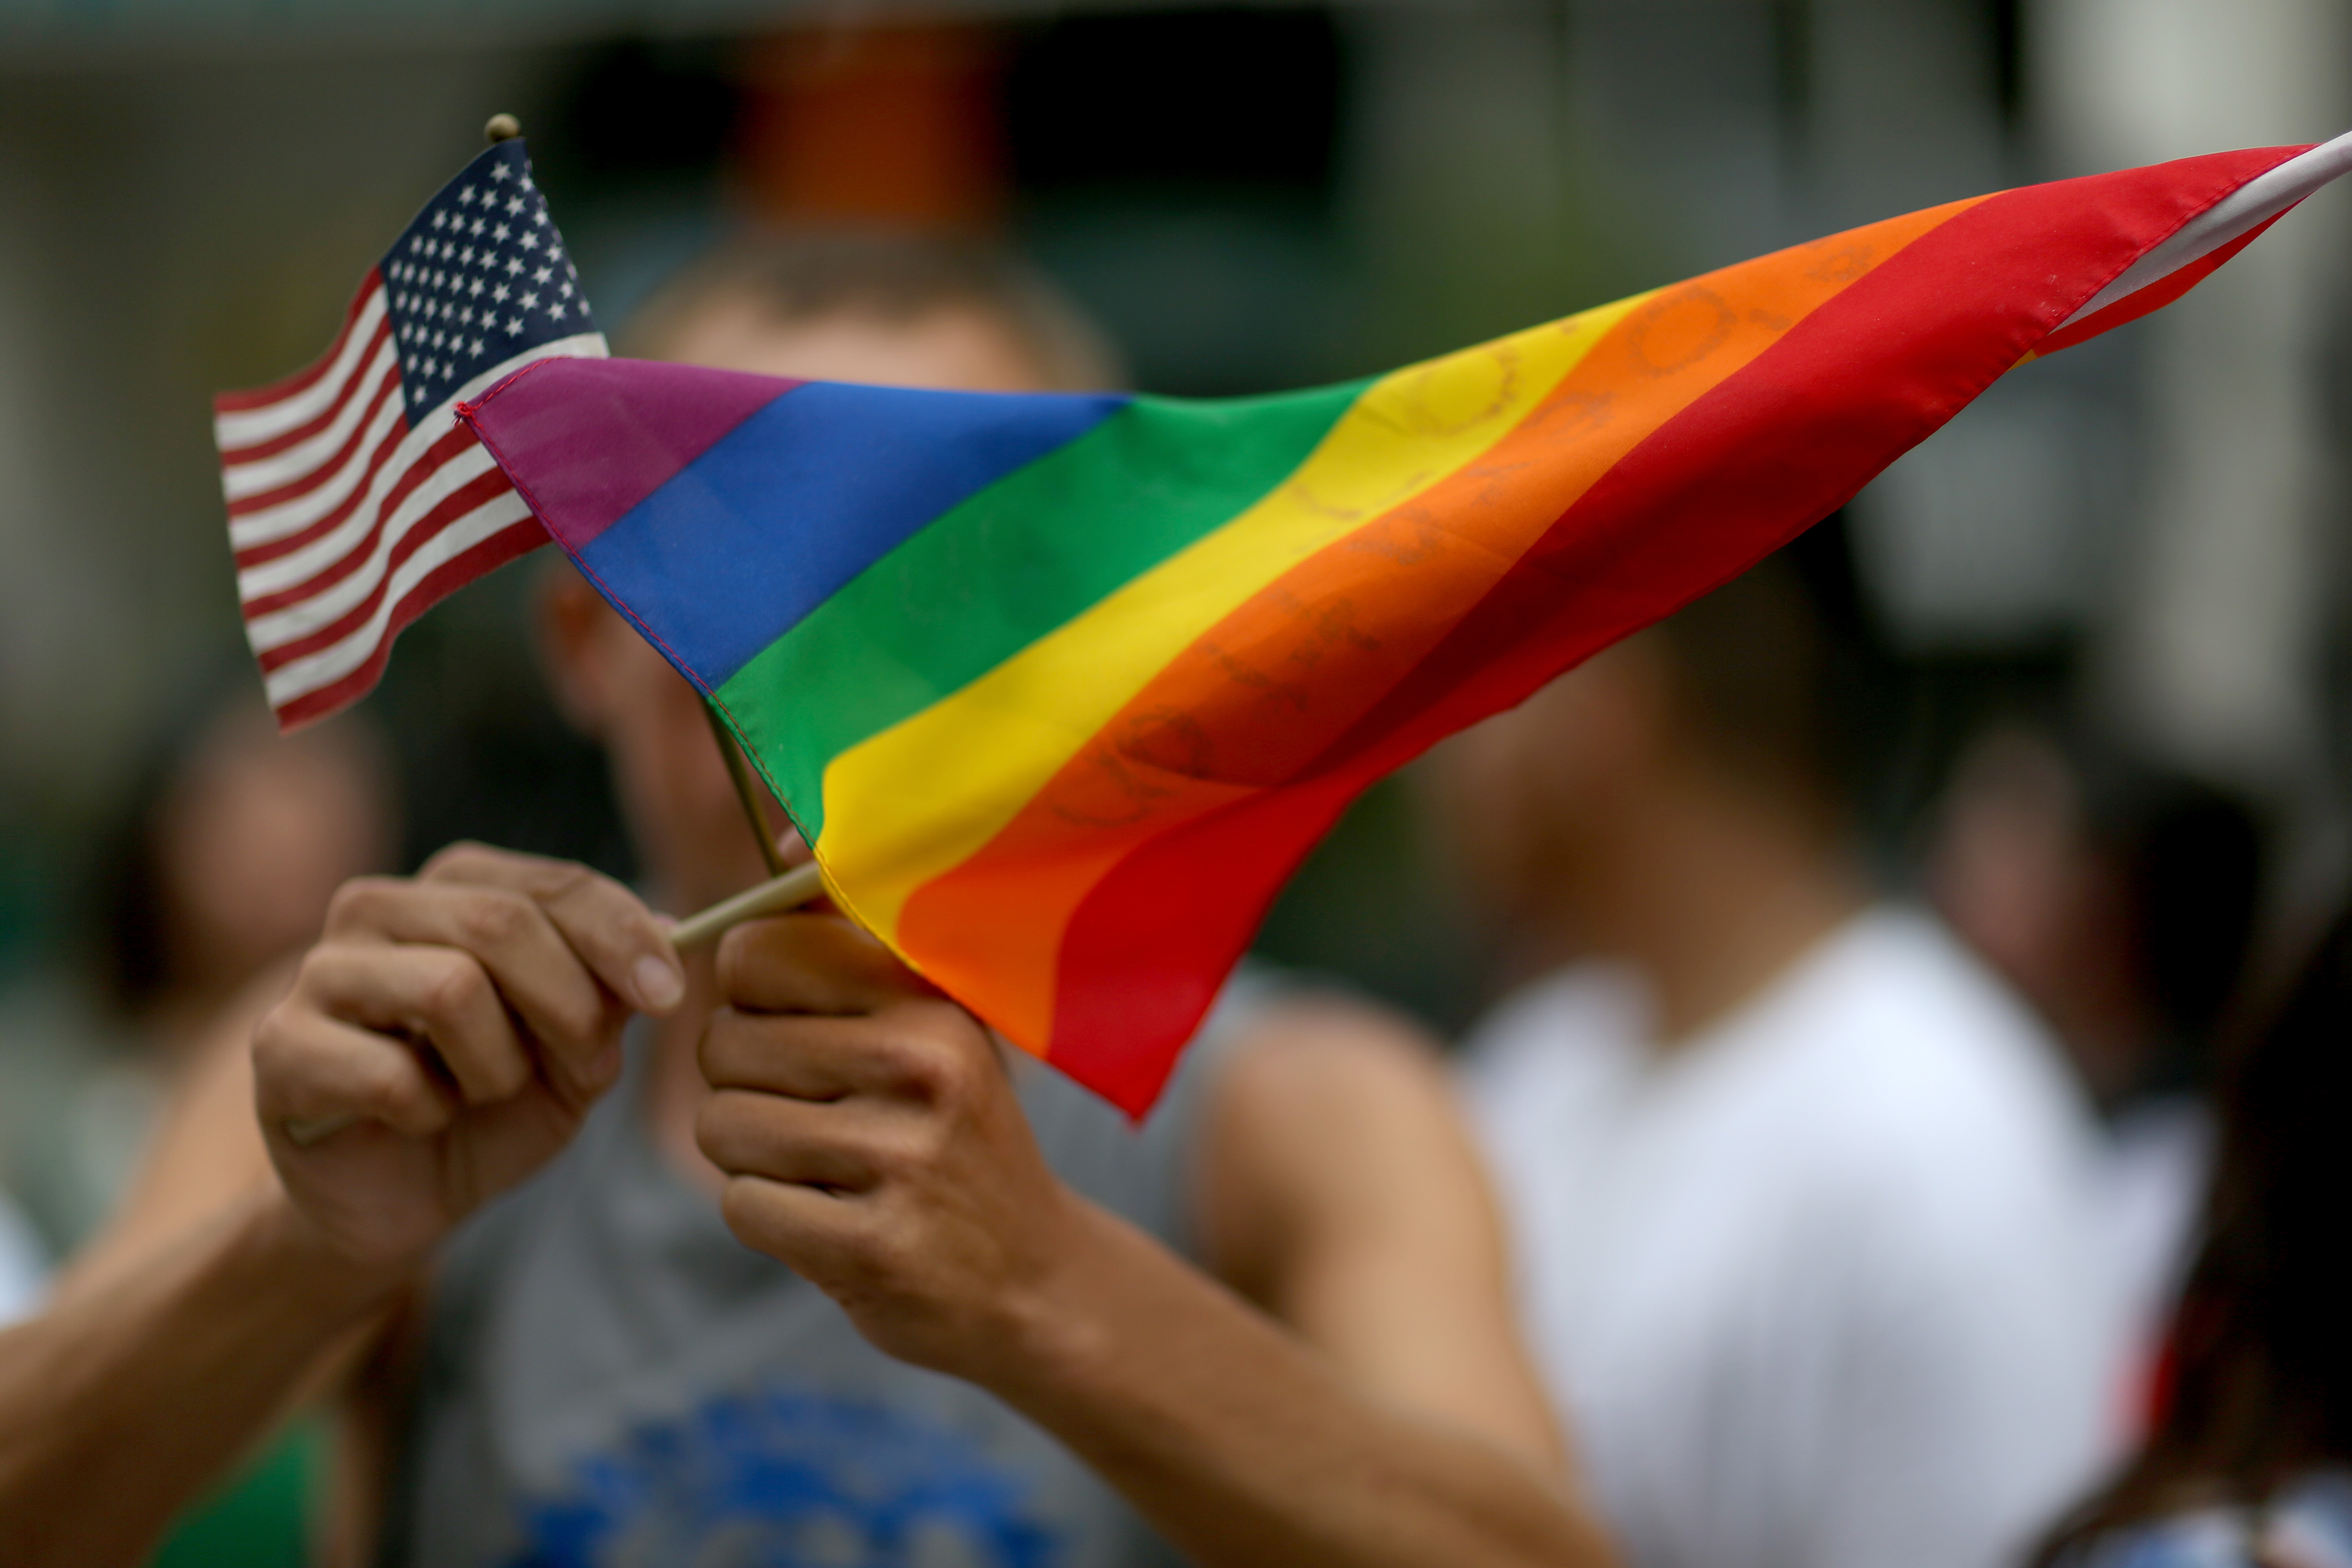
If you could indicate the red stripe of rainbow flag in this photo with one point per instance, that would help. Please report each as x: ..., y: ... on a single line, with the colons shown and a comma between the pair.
x: 1062, y: 688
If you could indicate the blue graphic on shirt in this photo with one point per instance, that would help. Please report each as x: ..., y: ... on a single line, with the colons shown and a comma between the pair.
x: 2309, y: 1524
x: 782, y: 1478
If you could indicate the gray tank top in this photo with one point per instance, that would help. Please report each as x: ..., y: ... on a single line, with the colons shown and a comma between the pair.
x: 611, y: 1379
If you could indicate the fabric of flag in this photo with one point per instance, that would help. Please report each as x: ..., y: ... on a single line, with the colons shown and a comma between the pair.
x: 356, y: 501
x: 1061, y: 688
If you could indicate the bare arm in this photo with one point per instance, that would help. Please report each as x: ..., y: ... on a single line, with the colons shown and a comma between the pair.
x: 468, y: 1018
x: 151, y: 1315
x: 1245, y: 1447
x: 205, y: 1156
x: 1340, y: 1191
x: 122, y: 1404
x: 873, y: 1142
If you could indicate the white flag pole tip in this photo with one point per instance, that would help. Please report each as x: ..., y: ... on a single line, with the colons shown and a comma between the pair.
x: 2249, y: 207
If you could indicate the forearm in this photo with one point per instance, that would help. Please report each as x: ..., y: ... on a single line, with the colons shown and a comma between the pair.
x: 119, y: 1405
x: 1244, y: 1449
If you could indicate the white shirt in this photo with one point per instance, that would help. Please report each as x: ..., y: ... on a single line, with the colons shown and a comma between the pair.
x: 2159, y: 1160
x: 1815, y: 1288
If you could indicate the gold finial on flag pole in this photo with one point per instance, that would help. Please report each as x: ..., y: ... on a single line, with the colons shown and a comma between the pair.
x: 502, y: 128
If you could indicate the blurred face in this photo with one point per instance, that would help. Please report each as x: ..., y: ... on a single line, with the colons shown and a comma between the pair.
x: 2009, y: 868
x: 255, y: 835
x: 1530, y: 800
x: 959, y: 349
x: 671, y: 778
x: 2013, y: 870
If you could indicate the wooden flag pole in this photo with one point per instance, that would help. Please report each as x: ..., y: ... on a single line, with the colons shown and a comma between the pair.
x: 747, y: 793
x: 798, y: 886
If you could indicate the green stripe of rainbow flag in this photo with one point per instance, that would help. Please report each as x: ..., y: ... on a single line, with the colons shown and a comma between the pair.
x: 1061, y: 689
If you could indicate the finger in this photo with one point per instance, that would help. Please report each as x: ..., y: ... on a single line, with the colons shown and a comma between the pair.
x: 438, y: 994
x: 827, y: 1238
x: 916, y: 1049
x: 607, y: 925
x: 534, y: 969
x: 312, y: 1068
x: 811, y: 963
x: 840, y: 1148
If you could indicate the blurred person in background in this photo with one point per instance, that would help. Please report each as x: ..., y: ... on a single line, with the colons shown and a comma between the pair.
x: 2250, y: 1462
x: 2121, y: 902
x: 1798, y: 1193
x: 1274, y: 1321
x: 219, y: 868
x: 217, y: 872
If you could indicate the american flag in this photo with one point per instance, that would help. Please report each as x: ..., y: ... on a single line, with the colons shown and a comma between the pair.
x: 356, y: 500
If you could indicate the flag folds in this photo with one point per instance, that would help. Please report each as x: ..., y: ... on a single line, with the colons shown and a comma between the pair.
x: 1061, y: 688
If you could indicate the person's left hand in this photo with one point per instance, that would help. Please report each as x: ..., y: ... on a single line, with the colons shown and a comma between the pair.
x: 872, y: 1140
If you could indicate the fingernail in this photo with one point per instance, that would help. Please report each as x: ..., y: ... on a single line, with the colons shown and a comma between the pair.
x: 658, y: 984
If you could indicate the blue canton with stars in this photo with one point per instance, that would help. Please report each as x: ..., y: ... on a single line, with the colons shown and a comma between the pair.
x: 479, y: 277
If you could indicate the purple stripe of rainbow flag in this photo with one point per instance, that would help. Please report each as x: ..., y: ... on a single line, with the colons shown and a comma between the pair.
x: 1061, y: 689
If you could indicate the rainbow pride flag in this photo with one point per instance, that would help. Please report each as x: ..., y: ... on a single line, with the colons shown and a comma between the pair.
x: 1061, y: 688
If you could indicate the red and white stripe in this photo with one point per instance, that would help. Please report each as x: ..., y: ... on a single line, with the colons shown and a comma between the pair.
x: 347, y: 523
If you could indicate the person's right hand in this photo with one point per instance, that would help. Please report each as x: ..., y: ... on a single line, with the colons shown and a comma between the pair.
x: 467, y: 1018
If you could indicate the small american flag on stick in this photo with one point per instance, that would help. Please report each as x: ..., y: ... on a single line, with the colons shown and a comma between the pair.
x: 356, y: 500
